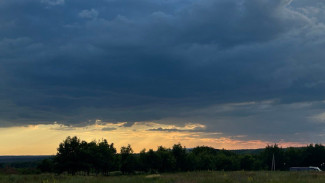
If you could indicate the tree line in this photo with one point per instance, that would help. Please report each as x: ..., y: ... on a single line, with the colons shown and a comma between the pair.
x: 100, y: 157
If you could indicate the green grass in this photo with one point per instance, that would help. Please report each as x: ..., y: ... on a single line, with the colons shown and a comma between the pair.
x: 188, y: 177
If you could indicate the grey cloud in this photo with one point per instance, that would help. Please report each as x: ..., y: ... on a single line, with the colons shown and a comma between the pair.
x: 53, y: 2
x: 108, y: 129
x: 271, y: 121
x: 92, y: 13
x: 130, y: 61
x: 197, y: 129
x: 63, y: 128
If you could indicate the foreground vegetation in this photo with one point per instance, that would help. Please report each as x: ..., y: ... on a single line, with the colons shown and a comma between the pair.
x: 187, y: 177
x: 75, y: 156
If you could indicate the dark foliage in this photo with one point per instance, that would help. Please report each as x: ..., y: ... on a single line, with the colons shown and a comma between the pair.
x: 79, y: 156
x: 127, y: 160
x: 76, y: 156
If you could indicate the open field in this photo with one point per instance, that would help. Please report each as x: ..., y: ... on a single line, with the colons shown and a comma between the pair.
x: 188, y: 177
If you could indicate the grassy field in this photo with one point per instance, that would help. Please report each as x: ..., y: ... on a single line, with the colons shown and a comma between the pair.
x: 189, y: 177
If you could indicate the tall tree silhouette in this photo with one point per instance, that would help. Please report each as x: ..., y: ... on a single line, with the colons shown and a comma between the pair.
x: 68, y: 156
x: 179, y: 153
x: 127, y: 160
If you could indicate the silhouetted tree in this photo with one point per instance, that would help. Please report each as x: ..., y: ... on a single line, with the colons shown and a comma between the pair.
x: 128, y: 161
x: 79, y: 156
x: 106, y: 156
x: 314, y: 155
x: 46, y: 165
x: 75, y: 156
x: 152, y: 160
x: 68, y: 156
x: 179, y: 153
x: 267, y: 156
x: 166, y: 160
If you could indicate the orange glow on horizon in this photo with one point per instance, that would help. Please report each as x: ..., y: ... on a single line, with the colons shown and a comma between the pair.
x: 44, y: 139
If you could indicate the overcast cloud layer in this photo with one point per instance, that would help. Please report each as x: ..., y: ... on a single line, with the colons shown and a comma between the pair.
x: 253, y: 68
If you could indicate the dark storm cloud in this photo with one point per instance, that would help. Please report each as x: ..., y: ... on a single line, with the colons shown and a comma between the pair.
x: 108, y: 129
x: 196, y: 129
x: 75, y: 61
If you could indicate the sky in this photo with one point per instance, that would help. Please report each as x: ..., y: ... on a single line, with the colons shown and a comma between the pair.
x: 232, y: 74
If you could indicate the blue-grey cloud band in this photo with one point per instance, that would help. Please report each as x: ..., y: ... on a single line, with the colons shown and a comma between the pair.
x: 236, y: 66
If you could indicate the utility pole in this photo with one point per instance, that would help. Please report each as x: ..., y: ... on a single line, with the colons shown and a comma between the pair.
x: 273, y: 163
